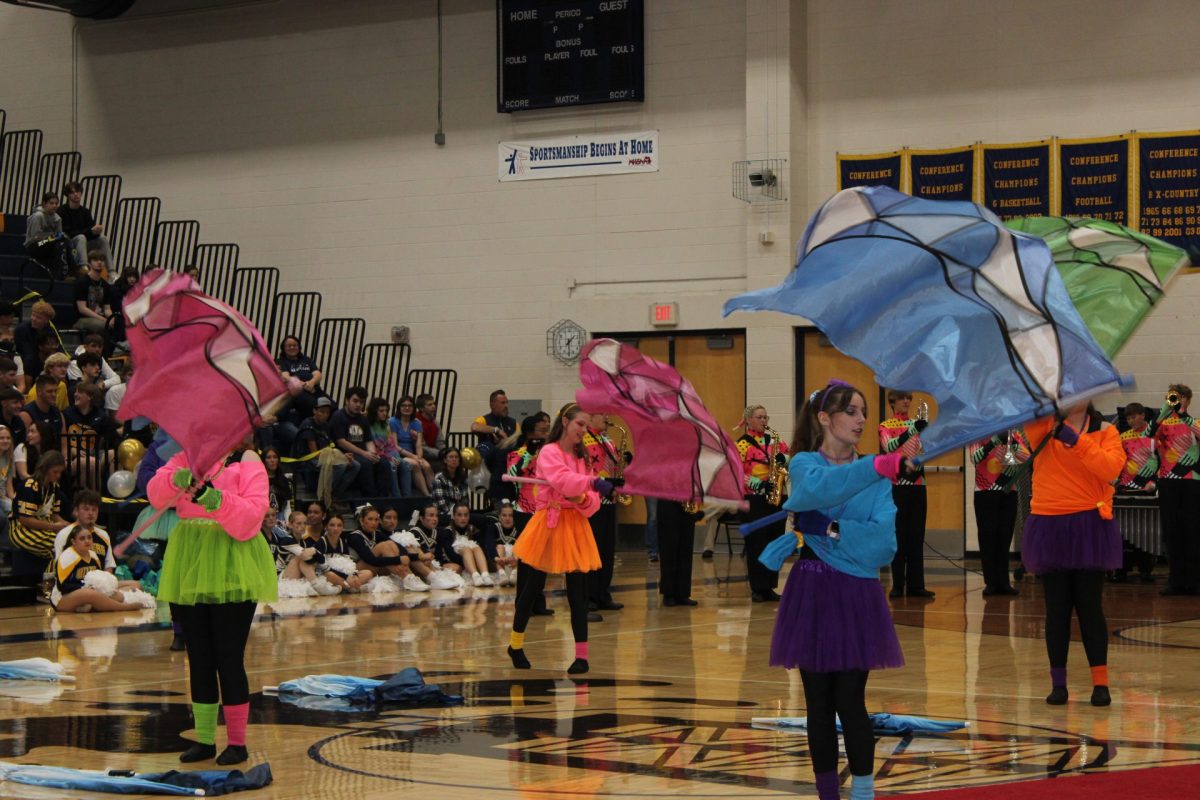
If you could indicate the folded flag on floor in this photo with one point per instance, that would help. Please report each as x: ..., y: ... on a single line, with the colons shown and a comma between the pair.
x: 939, y: 296
x: 32, y: 669
x: 882, y: 723
x: 406, y: 687
x: 202, y: 783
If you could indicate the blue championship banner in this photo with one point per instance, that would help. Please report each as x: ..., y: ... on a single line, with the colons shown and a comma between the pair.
x: 943, y: 174
x: 881, y: 169
x: 1169, y: 189
x: 1094, y: 178
x: 1016, y: 179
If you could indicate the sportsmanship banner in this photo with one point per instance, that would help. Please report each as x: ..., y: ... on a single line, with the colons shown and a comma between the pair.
x: 1016, y: 179
x: 881, y: 169
x: 1094, y: 178
x: 1169, y: 189
x: 943, y: 174
x: 577, y: 156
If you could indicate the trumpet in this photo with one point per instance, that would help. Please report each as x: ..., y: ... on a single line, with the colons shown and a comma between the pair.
x: 1174, y: 398
x: 1012, y: 450
x: 619, y: 453
x: 692, y: 506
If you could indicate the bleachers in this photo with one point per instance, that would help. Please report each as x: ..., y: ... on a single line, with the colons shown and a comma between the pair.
x: 139, y: 237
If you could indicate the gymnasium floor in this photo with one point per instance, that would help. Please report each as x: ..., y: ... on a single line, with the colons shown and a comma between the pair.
x: 665, y: 711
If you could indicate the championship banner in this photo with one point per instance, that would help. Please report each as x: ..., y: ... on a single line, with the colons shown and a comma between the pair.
x: 1016, y: 179
x: 1168, y: 190
x: 881, y: 169
x: 943, y: 174
x: 577, y: 156
x: 1094, y: 178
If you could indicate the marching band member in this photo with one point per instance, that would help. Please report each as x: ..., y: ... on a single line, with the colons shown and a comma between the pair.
x: 900, y: 434
x: 603, y: 459
x: 997, y: 461
x: 1177, y: 441
x: 755, y: 446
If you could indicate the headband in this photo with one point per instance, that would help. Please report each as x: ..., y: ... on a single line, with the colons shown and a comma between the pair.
x: 812, y: 398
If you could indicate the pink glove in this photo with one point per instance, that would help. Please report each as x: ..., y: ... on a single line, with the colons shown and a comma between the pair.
x: 889, y: 466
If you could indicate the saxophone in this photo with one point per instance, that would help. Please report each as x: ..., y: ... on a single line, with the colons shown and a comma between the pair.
x: 777, y: 476
x: 619, y: 465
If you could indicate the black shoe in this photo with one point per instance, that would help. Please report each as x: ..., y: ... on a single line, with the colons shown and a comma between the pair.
x: 757, y: 597
x: 198, y: 752
x: 896, y: 593
x: 543, y: 612
x: 594, y: 617
x: 990, y: 592
x: 233, y: 754
x: 685, y: 601
x: 707, y: 555
x: 519, y: 660
x: 1100, y: 696
x: 578, y: 667
x: 178, y: 644
x: 920, y: 593
x: 669, y: 601
x: 593, y: 606
x: 1011, y: 591
x: 611, y: 605
x: 1057, y: 696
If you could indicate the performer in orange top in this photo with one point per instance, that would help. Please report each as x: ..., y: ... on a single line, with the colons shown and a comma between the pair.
x: 558, y: 537
x: 899, y: 433
x: 1071, y: 538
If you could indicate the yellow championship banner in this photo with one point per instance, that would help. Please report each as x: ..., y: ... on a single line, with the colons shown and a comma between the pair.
x: 1094, y: 178
x: 1166, y: 190
x: 1018, y: 179
x: 946, y: 174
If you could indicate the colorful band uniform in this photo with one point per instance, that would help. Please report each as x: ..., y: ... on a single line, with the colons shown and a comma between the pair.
x: 899, y: 433
x: 754, y: 449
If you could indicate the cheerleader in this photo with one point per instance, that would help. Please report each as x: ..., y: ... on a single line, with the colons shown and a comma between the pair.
x: 755, y: 447
x: 558, y: 538
x: 498, y: 540
x: 429, y: 548
x: 1071, y: 538
x: 71, y: 567
x: 215, y: 572
x: 339, y: 557
x: 377, y: 556
x: 283, y: 547
x: 834, y: 624
x: 467, y: 547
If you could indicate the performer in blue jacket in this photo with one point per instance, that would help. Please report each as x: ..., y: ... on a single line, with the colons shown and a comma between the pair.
x: 834, y: 624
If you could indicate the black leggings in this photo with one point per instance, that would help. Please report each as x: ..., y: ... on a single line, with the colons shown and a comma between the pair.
x: 534, y: 580
x: 1082, y: 591
x: 831, y: 696
x: 216, y: 635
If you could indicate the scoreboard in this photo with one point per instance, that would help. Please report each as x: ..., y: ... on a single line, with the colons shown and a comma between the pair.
x: 569, y: 53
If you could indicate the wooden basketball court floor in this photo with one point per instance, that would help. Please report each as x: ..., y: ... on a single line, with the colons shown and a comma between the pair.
x: 666, y: 709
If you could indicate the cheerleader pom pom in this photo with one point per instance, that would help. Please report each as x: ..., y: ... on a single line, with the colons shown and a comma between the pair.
x: 445, y: 579
x: 381, y: 584
x: 461, y: 543
x: 343, y: 565
x: 294, y: 587
x: 103, y: 582
x: 405, y: 539
x: 141, y: 598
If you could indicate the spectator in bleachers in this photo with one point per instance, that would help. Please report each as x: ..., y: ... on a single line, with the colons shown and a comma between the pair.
x: 114, y: 396
x: 434, y: 438
x: 8, y: 349
x: 280, y: 488
x: 193, y: 272
x: 43, y: 407
x: 99, y: 433
x: 37, y: 518
x: 9, y: 379
x: 47, y: 345
x: 315, y: 435
x: 293, y: 363
x: 126, y: 281
x: 406, y: 429
x: 8, y: 472
x: 399, y: 470
x: 11, y: 402
x: 45, y: 241
x: 25, y: 338
x: 56, y: 367
x: 352, y: 434
x: 493, y: 428
x: 40, y: 439
x: 449, y: 484
x: 94, y: 298
x: 80, y: 227
x: 94, y: 343
x: 8, y: 314
x: 88, y: 367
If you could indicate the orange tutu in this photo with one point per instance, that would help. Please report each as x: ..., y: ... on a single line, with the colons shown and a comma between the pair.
x: 567, y: 547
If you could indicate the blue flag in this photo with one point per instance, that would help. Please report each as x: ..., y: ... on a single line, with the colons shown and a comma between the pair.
x: 940, y: 297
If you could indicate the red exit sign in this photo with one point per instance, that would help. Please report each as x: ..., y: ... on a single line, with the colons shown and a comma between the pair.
x: 664, y: 314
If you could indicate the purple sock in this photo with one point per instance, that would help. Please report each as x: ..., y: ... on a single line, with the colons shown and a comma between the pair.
x: 1058, y: 676
x: 828, y: 785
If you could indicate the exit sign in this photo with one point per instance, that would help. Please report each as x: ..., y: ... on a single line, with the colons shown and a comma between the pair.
x: 664, y: 314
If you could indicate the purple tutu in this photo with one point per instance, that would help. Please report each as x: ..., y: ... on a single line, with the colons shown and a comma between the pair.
x: 1083, y: 540
x: 829, y: 621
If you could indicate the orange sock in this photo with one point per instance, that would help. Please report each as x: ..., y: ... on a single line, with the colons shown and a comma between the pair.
x: 1100, y: 675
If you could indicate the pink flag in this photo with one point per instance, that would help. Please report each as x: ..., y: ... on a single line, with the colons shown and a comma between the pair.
x: 681, y: 452
x: 203, y: 371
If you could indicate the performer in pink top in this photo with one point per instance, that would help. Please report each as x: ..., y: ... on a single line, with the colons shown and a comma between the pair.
x: 558, y: 538
x: 215, y: 572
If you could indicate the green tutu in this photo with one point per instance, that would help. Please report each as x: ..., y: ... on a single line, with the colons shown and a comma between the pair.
x: 204, y: 564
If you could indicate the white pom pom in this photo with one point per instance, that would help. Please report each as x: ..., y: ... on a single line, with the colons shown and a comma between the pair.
x: 294, y: 587
x: 461, y: 543
x: 141, y: 598
x: 103, y: 582
x: 405, y: 539
x: 381, y: 584
x: 344, y: 565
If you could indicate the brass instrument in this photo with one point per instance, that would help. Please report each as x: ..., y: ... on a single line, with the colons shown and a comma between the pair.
x: 1174, y: 398
x: 777, y: 475
x: 1012, y: 451
x: 692, y: 506
x: 619, y: 464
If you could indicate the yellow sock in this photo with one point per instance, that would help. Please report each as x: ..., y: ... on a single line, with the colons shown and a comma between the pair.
x: 516, y: 640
